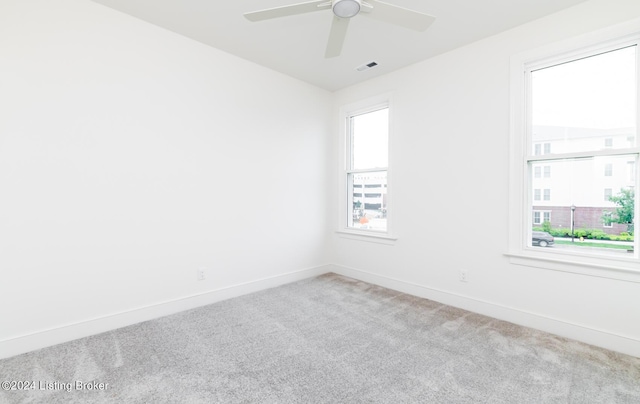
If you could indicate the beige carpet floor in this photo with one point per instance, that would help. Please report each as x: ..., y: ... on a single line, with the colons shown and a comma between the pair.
x: 328, y: 339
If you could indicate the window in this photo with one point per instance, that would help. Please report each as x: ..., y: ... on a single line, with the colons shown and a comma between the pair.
x: 538, y: 149
x: 608, y: 170
x: 536, y: 194
x: 568, y: 101
x: 537, y: 218
x: 541, y: 216
x: 542, y: 148
x: 608, y: 193
x: 365, y: 174
x: 542, y: 171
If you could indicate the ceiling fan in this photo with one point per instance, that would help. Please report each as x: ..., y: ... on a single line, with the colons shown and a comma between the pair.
x: 343, y: 10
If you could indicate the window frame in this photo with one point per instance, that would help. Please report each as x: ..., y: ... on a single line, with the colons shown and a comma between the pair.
x: 543, y: 215
x: 537, y: 213
x: 604, y: 222
x: 537, y: 172
x: 537, y: 149
x: 608, y: 143
x: 348, y: 111
x: 522, y: 150
x: 608, y: 170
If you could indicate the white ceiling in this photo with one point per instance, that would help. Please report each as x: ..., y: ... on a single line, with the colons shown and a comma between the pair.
x: 295, y: 45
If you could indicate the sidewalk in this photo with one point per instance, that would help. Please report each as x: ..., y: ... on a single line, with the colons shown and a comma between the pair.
x: 627, y: 243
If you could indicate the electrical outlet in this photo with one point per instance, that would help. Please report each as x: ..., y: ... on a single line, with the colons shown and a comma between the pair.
x: 202, y: 274
x: 464, y: 276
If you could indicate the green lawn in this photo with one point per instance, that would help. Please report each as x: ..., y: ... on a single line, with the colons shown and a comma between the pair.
x: 594, y: 244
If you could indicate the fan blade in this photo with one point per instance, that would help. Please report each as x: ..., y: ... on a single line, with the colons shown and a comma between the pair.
x: 284, y: 11
x: 399, y: 16
x: 336, y: 37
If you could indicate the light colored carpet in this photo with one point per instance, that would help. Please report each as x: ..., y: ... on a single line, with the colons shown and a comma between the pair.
x: 329, y: 339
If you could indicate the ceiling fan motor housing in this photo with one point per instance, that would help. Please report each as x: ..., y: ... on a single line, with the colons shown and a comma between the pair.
x: 346, y: 8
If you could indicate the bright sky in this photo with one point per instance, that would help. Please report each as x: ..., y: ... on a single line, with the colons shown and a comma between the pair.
x: 595, y: 92
x: 371, y: 139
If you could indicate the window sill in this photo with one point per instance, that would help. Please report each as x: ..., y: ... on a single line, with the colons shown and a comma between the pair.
x: 619, y: 269
x: 368, y: 236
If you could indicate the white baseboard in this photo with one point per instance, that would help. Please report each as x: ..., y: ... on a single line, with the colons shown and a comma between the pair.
x: 603, y: 339
x: 58, y: 335
x: 42, y: 339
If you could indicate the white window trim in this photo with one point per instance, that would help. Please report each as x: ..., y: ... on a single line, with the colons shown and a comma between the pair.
x: 518, y: 250
x: 367, y: 105
x: 539, y: 212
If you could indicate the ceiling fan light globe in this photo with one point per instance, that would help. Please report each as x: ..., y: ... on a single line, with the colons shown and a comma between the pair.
x: 346, y: 8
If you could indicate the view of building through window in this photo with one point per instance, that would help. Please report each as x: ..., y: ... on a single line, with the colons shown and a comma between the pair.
x: 367, y: 170
x: 583, y: 135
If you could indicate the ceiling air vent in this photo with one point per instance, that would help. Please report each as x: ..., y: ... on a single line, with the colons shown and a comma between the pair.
x: 366, y: 66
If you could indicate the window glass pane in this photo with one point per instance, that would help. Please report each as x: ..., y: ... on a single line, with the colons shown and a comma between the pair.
x: 608, y: 170
x: 585, y: 105
x: 536, y: 217
x: 598, y: 226
x: 608, y: 193
x: 369, y: 140
x: 369, y: 192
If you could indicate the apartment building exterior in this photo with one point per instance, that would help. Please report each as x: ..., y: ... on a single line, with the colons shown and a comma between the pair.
x: 582, y: 184
x: 370, y: 194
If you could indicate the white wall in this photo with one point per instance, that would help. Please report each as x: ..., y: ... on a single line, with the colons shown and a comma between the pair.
x: 449, y: 161
x: 130, y: 157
